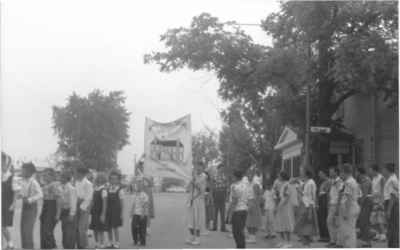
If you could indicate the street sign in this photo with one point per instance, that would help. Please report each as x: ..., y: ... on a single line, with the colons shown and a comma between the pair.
x: 325, y: 130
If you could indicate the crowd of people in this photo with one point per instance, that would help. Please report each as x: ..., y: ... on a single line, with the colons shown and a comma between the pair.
x: 79, y: 204
x: 343, y: 207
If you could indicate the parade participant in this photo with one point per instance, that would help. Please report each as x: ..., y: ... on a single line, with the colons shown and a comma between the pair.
x: 196, y: 206
x: 336, y: 184
x: 391, y: 197
x: 284, y: 212
x: 51, y: 202
x: 84, y: 190
x: 148, y: 185
x: 378, y: 212
x: 323, y: 202
x: 269, y: 206
x: 253, y: 221
x: 348, y: 208
x: 363, y: 222
x: 139, y: 214
x: 115, y: 207
x: 30, y: 194
x: 239, y: 205
x: 9, y: 188
x: 219, y: 192
x: 307, y: 224
x: 67, y: 211
x: 99, y: 209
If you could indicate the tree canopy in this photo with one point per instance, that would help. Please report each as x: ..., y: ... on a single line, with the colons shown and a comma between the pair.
x: 338, y: 48
x: 205, y: 147
x: 92, y: 129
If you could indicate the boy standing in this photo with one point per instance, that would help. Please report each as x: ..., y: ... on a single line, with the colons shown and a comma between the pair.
x: 31, y: 193
x: 67, y: 211
x: 139, y: 213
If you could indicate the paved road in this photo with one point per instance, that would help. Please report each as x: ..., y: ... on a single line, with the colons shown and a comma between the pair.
x: 167, y: 230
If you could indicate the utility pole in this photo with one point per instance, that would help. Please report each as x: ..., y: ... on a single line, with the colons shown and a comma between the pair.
x: 307, y: 139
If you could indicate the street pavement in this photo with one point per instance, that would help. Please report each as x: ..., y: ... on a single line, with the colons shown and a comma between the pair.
x: 167, y: 229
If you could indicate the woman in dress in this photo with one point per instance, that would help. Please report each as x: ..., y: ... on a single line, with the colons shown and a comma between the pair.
x: 254, y: 213
x: 348, y: 209
x: 378, y: 212
x: 196, y: 207
x: 307, y: 225
x: 323, y: 201
x: 51, y: 206
x: 284, y: 212
x: 363, y: 222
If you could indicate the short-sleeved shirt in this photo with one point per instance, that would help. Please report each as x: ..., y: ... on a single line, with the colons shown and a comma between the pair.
x: 31, y: 190
x: 140, y: 203
x: 351, y: 191
x: 377, y: 188
x: 391, y: 187
x: 269, y: 203
x: 51, y: 191
x: 309, y: 193
x: 336, y: 186
x: 240, y: 192
x: 220, y: 183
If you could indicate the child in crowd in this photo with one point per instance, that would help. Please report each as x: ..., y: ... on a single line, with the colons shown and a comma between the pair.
x: 269, y: 206
x: 139, y: 214
x: 67, y: 211
x: 209, y: 208
x: 98, y: 210
x: 31, y: 193
x: 114, y: 208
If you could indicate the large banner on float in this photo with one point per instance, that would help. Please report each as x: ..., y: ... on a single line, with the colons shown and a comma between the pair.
x: 168, y: 148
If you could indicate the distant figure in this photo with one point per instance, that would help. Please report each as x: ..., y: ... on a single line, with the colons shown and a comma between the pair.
x: 253, y: 221
x: 219, y: 193
x: 332, y: 221
x: 269, y: 206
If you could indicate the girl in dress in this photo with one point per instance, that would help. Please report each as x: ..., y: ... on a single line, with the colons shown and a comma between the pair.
x: 115, y: 207
x: 98, y: 210
x: 269, y: 206
x: 284, y: 212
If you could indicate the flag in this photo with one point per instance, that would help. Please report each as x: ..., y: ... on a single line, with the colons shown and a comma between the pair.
x: 168, y: 148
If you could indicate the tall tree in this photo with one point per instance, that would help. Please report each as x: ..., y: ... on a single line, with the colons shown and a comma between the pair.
x: 92, y: 129
x: 205, y: 147
x: 339, y: 48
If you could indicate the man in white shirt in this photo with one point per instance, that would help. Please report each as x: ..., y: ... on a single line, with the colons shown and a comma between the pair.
x: 332, y: 220
x: 30, y: 193
x: 84, y: 191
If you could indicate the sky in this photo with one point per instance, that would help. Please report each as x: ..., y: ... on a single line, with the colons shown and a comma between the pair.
x: 52, y: 48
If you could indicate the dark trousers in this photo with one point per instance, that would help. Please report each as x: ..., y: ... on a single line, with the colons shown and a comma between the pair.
x: 138, y: 229
x: 68, y: 228
x: 322, y: 213
x: 238, y: 225
x: 82, y: 221
x: 28, y: 218
x: 47, y: 224
x: 219, y: 208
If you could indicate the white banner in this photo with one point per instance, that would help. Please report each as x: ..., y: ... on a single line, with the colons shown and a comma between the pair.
x: 168, y: 148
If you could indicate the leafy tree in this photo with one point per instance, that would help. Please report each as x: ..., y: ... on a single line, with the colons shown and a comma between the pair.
x: 205, y: 147
x: 340, y: 48
x: 92, y: 129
